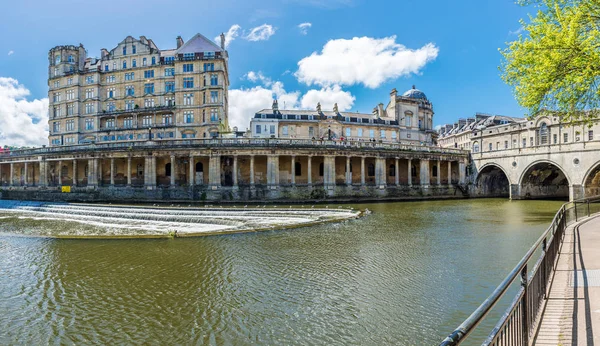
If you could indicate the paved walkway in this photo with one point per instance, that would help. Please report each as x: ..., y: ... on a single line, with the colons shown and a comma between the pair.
x: 572, y: 312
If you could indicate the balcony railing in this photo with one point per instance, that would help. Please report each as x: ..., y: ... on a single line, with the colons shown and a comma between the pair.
x: 138, y: 110
x: 244, y: 143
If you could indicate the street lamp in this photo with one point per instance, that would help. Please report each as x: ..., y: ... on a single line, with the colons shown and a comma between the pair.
x: 149, y: 133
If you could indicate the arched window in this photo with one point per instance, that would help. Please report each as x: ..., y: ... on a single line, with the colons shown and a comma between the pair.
x: 133, y: 63
x: 543, y: 134
x: 371, y: 170
x: 392, y: 170
x: 124, y: 50
x: 144, y: 62
x: 297, y: 169
x: 168, y: 169
x: 476, y: 147
x: 199, y: 167
x: 321, y: 169
x: 124, y: 64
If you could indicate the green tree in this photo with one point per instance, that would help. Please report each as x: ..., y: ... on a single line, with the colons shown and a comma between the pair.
x: 556, y: 66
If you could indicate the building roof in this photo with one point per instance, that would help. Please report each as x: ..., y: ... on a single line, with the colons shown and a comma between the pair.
x: 198, y: 44
x: 415, y: 93
x: 314, y: 112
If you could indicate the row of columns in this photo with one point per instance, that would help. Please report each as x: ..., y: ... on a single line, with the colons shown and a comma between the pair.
x: 329, y: 174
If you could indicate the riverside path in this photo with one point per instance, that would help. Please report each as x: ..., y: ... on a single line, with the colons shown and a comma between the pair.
x: 571, y: 315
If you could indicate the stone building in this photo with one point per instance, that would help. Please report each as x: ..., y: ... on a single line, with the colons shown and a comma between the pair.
x: 408, y: 118
x: 137, y: 91
x: 459, y: 135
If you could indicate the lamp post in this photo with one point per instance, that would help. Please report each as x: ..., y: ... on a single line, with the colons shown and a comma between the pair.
x: 329, y: 133
x: 149, y: 133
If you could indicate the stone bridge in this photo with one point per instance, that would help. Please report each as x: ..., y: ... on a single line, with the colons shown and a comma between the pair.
x: 570, y: 170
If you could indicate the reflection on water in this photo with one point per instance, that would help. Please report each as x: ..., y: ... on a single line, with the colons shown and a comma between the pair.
x: 407, y: 274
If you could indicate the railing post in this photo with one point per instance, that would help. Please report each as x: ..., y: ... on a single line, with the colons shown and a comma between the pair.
x: 588, y: 204
x: 544, y: 265
x: 575, y: 203
x: 524, y: 312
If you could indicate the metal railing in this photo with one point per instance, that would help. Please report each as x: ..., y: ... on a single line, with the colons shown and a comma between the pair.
x: 232, y: 143
x: 518, y: 323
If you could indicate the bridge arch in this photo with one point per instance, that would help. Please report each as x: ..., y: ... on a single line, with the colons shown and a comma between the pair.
x: 544, y: 179
x: 492, y: 181
x: 591, y: 180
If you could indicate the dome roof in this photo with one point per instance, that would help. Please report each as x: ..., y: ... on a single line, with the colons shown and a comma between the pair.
x: 415, y: 93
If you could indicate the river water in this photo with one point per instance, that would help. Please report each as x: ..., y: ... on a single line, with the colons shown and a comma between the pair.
x: 407, y: 274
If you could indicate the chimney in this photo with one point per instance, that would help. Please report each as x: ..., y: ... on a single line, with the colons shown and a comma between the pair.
x: 104, y: 53
x: 380, y: 111
x: 222, y: 41
x: 179, y: 42
x: 393, y: 94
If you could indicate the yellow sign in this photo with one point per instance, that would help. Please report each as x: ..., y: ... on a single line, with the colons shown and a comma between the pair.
x: 66, y: 189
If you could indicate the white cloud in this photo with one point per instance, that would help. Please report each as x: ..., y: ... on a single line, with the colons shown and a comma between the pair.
x: 11, y: 52
x: 517, y: 32
x: 365, y: 60
x: 304, y: 28
x: 258, y: 77
x: 244, y: 102
x: 327, y: 97
x: 22, y: 122
x: 230, y: 35
x: 261, y: 33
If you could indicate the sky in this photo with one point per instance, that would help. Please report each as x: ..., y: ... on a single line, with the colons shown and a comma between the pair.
x: 350, y: 52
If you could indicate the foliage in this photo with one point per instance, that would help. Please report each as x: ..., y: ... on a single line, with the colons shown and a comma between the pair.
x: 556, y: 67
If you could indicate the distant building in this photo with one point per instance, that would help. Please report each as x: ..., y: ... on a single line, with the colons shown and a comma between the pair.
x: 137, y: 91
x: 407, y: 118
x: 460, y: 134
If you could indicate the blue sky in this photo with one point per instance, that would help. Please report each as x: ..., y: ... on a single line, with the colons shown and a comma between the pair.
x: 461, y: 79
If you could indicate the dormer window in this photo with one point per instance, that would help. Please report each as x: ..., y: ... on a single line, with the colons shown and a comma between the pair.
x: 133, y: 49
x: 124, y: 50
x: 71, y: 59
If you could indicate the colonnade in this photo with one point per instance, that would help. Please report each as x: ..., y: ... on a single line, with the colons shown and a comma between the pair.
x: 234, y: 169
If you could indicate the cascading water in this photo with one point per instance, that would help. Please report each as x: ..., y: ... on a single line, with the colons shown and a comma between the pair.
x: 88, y: 220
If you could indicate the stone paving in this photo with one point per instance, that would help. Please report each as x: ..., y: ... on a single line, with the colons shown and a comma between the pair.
x: 572, y: 312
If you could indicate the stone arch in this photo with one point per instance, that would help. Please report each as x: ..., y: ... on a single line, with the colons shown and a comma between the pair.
x: 544, y: 179
x: 591, y: 180
x: 492, y: 181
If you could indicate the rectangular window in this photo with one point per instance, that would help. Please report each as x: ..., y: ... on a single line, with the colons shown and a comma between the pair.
x: 149, y: 74
x: 188, y: 67
x: 590, y: 135
x: 209, y: 67
x: 188, y: 56
x: 89, y: 108
x: 188, y: 83
x: 272, y: 129
x: 169, y: 72
x: 133, y: 49
x: 70, y: 125
x: 56, y: 97
x: 70, y: 81
x: 524, y: 142
x: 70, y: 94
x: 57, y: 112
x: 149, y: 88
x: 70, y: 109
x: 372, y: 133
x: 359, y: 132
x: 56, y: 126
x: 130, y: 76
x: 56, y: 84
x: 382, y: 134
x: 394, y: 136
x: 89, y: 79
x: 284, y: 130
x: 214, y: 79
x: 565, y: 137
x: 89, y: 124
x: 89, y: 93
x: 110, y: 123
x: 497, y: 145
x: 110, y: 107
x: 555, y: 138
x: 128, y: 122
x: 259, y: 128
x: 505, y: 144
x: 147, y: 120
x: 188, y: 99
x: 408, y: 121
x: 169, y: 59
x: 153, y: 60
x: 531, y: 141
x: 129, y: 105
x: 514, y: 144
x: 169, y: 87
x: 214, y: 96
x: 490, y: 147
x: 188, y: 117
x: 149, y: 103
x: 170, y: 101
x: 168, y: 119
x: 348, y: 131
x: 311, y: 131
x: 214, y: 114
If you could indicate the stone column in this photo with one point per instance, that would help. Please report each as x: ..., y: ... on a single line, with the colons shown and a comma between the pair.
x: 43, y: 173
x: 439, y: 172
x: 449, y: 172
x: 251, y: 171
x: 192, y: 172
x: 461, y: 172
x: 425, y: 178
x: 348, y: 173
x: 409, y: 172
x: 112, y: 171
x: 74, y: 172
x: 149, y: 172
x: 173, y: 170
x: 293, y: 170
x: 153, y: 171
x: 235, y: 171
x: 380, y: 178
x: 129, y: 171
x: 59, y: 173
x: 26, y: 174
x: 309, y: 168
x: 362, y: 171
x: 12, y: 175
x: 397, y: 171
x: 214, y: 172
x: 273, y: 171
x: 92, y: 170
x: 329, y: 171
x: 98, y: 169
